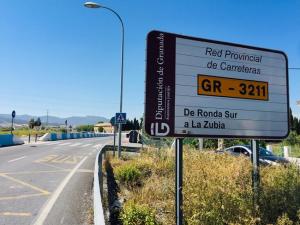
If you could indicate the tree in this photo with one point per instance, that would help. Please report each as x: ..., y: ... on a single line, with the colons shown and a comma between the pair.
x: 291, y: 119
x: 38, y: 122
x: 136, y: 125
x: 141, y: 123
x: 31, y: 123
x: 113, y: 121
x: 86, y: 128
x: 296, y: 125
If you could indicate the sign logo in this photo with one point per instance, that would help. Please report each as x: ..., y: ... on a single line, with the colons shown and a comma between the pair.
x: 160, y: 129
x: 120, y: 118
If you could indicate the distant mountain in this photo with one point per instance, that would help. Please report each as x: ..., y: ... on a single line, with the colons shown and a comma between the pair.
x: 5, y: 120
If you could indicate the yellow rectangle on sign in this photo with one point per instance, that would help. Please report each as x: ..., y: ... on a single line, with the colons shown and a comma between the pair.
x: 232, y: 88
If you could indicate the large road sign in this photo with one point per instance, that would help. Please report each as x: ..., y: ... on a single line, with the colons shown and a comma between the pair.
x: 197, y: 87
x: 120, y: 118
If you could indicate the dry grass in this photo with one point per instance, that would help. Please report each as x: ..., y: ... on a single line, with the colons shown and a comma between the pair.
x: 217, y: 189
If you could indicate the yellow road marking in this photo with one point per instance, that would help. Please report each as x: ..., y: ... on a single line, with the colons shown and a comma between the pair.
x: 67, y: 159
x: 47, y: 158
x: 14, y: 214
x: 73, y: 159
x: 47, y: 171
x: 56, y: 167
x: 25, y: 184
x: 21, y: 197
x: 35, y: 172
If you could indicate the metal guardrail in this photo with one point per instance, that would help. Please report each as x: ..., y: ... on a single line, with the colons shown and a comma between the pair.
x: 99, y: 218
x: 98, y: 182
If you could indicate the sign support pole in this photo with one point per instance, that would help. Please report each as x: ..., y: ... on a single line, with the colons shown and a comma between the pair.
x: 114, y: 152
x: 13, y: 115
x: 12, y: 125
x: 255, y: 170
x: 178, y: 180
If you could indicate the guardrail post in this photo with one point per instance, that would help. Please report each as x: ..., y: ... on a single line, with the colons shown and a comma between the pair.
x: 286, y: 151
x: 255, y: 171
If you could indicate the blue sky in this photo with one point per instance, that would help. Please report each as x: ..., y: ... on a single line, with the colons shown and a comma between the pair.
x: 60, y: 56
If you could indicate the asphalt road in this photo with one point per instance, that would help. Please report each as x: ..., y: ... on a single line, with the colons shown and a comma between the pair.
x: 48, y: 183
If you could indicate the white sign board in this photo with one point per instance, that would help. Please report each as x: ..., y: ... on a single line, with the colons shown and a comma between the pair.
x: 198, y: 87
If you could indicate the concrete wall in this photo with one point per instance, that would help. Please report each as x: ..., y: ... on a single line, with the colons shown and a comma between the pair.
x: 63, y: 136
x: 8, y: 140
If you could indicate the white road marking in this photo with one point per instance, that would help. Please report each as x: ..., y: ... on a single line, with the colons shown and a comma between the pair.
x: 76, y: 144
x: 50, y: 203
x: 86, y: 145
x: 51, y: 143
x: 62, y: 220
x: 67, y: 143
x: 13, y: 160
x: 97, y: 146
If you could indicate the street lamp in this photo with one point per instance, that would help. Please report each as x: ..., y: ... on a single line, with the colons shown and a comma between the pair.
x: 94, y: 5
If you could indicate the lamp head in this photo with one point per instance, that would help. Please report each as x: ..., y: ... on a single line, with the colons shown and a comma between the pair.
x: 92, y: 5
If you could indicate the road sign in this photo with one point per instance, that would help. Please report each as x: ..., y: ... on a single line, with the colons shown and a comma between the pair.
x: 120, y: 118
x: 197, y: 87
x: 13, y: 114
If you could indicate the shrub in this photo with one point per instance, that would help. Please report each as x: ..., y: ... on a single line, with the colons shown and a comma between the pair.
x: 217, y: 190
x: 129, y: 174
x: 292, y: 139
x: 134, y: 214
x: 280, y: 192
x: 284, y: 220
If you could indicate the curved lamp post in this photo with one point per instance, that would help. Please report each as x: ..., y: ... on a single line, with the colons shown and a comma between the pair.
x: 94, y: 5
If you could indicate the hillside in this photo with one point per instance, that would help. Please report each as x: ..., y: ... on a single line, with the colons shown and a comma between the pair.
x: 5, y: 120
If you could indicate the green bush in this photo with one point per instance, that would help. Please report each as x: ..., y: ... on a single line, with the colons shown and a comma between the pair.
x: 134, y: 214
x: 284, y: 220
x: 217, y: 190
x: 292, y: 139
x: 280, y: 188
x: 129, y: 174
x: 87, y: 128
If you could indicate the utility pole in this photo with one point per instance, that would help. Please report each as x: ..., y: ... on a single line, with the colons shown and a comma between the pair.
x: 47, y: 118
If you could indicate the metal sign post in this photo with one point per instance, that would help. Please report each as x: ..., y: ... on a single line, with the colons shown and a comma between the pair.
x: 114, y: 152
x: 13, y: 115
x: 255, y: 170
x: 178, y: 180
x: 66, y: 123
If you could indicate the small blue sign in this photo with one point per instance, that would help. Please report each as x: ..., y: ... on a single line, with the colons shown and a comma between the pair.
x: 120, y: 118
